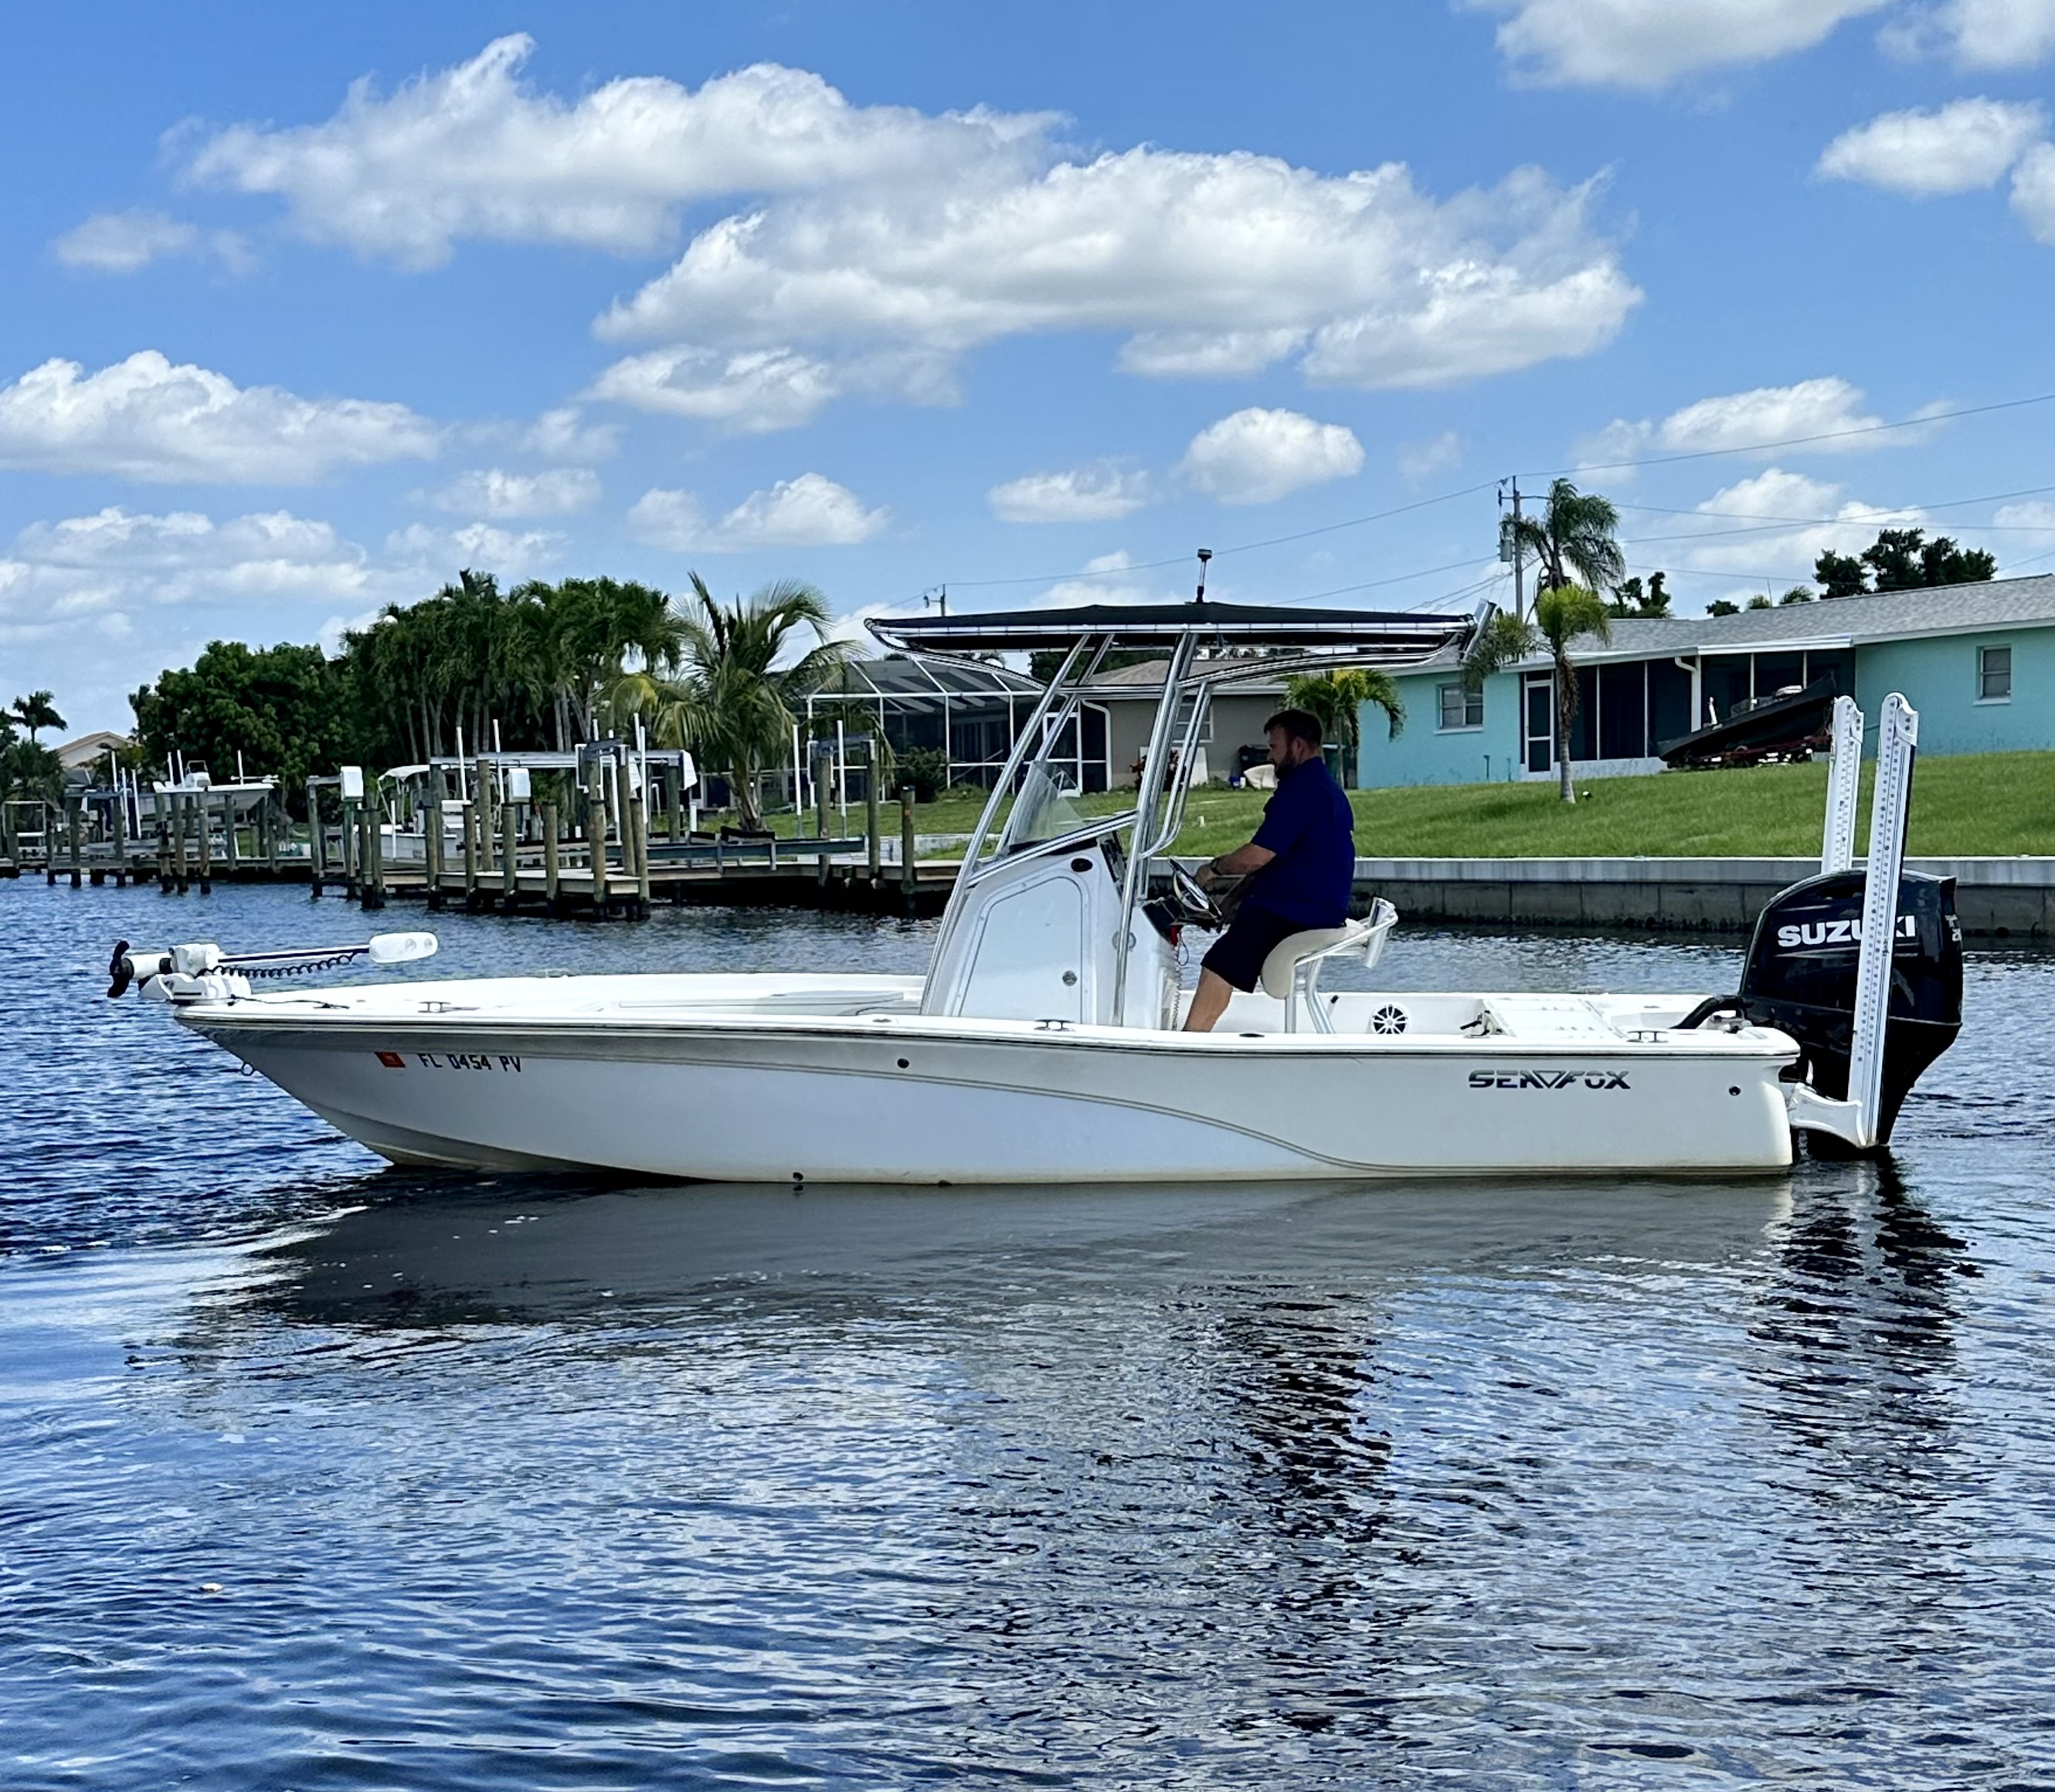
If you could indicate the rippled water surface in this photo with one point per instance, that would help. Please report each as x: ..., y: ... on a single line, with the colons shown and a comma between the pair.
x: 316, y: 1474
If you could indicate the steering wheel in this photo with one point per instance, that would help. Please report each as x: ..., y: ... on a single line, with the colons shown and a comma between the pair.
x: 1200, y: 908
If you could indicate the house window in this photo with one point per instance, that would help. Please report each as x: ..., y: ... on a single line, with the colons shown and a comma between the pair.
x: 1995, y: 675
x: 1462, y: 707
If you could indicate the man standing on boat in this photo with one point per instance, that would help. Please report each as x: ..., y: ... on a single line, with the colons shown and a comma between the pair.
x: 1300, y: 867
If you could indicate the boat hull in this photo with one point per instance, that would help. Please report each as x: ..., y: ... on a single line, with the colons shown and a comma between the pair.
x: 904, y: 1099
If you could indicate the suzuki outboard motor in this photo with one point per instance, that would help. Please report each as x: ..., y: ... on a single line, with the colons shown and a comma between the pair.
x: 1800, y: 977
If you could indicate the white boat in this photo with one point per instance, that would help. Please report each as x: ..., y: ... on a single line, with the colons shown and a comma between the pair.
x: 1042, y: 1045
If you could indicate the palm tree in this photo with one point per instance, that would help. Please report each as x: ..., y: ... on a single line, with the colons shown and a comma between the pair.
x: 1573, y: 540
x: 37, y: 710
x: 1563, y: 614
x: 1335, y: 700
x: 732, y: 704
x: 591, y: 630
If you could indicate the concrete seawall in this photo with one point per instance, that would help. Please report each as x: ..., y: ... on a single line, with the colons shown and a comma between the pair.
x: 2008, y: 898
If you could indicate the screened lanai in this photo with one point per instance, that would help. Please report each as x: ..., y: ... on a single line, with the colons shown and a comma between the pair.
x: 966, y: 709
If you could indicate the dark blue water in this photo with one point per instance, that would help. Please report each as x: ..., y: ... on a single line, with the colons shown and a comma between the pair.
x: 314, y: 1474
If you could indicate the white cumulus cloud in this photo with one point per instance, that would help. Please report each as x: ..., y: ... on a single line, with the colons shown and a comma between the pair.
x: 1980, y: 33
x: 1768, y: 529
x: 1965, y: 144
x: 425, y: 557
x: 563, y: 434
x: 76, y: 585
x: 1211, y: 265
x: 94, y: 604
x: 146, y: 419
x: 1257, y: 456
x: 123, y: 242
x: 1113, y: 578
x: 748, y: 392
x: 1101, y: 492
x: 867, y: 249
x: 2033, y: 191
x: 2030, y: 529
x: 1774, y: 419
x: 1647, y: 44
x: 809, y: 511
x: 470, y: 151
x: 493, y: 492
x: 1421, y: 460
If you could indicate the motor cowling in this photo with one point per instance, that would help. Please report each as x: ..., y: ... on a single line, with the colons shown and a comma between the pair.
x: 1800, y: 977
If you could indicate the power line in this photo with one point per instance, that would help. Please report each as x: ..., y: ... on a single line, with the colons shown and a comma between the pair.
x: 1073, y: 575
x: 1879, y: 512
x: 1396, y: 578
x: 1801, y: 441
x: 1242, y: 547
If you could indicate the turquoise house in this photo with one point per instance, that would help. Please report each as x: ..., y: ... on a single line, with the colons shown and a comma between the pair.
x: 1977, y: 662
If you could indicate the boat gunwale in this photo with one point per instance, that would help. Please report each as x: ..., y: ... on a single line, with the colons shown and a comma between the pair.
x: 211, y: 1018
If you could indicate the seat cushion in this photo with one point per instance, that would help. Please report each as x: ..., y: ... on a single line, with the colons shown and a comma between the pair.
x: 1286, y: 954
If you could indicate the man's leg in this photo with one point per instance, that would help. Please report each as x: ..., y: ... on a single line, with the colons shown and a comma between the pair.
x: 1209, y: 1002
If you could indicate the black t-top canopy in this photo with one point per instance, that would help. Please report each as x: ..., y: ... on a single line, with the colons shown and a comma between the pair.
x: 1402, y: 635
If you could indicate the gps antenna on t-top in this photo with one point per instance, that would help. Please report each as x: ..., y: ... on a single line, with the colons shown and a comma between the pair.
x: 1204, y: 555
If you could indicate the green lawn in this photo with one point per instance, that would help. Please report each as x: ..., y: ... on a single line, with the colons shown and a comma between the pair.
x: 1978, y: 804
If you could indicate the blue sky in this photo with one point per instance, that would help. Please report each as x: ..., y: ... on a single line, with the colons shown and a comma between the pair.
x: 306, y: 309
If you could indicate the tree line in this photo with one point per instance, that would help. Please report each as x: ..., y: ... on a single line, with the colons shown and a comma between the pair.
x: 539, y: 667
x: 30, y: 772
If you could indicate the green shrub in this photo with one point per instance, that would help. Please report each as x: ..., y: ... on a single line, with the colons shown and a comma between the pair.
x: 925, y: 768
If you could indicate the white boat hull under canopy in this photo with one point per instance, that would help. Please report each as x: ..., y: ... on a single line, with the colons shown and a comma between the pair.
x: 777, y: 1079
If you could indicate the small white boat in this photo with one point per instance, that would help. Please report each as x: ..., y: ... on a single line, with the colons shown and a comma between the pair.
x: 1042, y: 1044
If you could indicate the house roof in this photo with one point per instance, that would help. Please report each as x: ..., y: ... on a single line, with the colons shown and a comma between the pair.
x: 895, y: 675
x: 1840, y: 622
x: 88, y: 748
x: 1146, y: 676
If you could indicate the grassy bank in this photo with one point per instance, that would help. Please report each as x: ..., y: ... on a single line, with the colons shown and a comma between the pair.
x: 1996, y: 803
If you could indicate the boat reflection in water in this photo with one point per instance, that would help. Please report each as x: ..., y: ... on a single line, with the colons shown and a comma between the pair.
x: 435, y: 1249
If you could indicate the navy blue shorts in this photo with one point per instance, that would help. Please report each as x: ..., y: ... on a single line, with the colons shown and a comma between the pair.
x: 1237, y: 955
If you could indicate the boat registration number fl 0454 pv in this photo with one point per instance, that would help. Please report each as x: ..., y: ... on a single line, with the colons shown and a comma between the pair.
x: 1042, y: 1044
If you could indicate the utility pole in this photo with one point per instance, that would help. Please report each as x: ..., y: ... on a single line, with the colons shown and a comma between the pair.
x: 1205, y: 554
x: 1509, y: 491
x: 939, y: 597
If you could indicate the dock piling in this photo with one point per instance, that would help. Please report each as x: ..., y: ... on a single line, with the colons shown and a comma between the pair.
x: 206, y: 842
x: 374, y: 857
x: 906, y: 844
x: 638, y: 825
x: 551, y: 867
x: 432, y: 842
x: 823, y: 777
x: 509, y: 854
x: 873, y: 854
x: 597, y: 830
x: 347, y: 842
x: 316, y: 842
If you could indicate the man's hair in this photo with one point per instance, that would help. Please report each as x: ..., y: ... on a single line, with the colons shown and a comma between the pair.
x: 1297, y: 725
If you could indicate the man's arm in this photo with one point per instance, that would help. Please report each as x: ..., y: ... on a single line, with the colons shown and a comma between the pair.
x: 1239, y: 863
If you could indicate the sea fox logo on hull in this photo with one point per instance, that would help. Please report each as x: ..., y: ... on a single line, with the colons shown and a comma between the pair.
x: 1548, y: 1079
x: 1837, y: 933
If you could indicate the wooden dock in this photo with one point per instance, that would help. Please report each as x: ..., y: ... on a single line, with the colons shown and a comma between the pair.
x: 776, y: 877
x: 504, y: 856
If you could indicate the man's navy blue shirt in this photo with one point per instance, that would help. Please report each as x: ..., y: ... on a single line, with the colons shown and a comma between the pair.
x: 1308, y: 825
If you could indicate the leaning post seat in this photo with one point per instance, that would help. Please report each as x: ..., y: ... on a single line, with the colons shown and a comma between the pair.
x: 1291, y: 972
